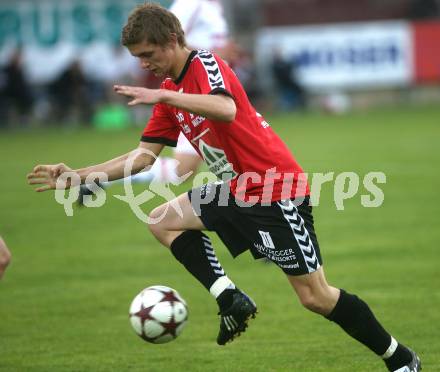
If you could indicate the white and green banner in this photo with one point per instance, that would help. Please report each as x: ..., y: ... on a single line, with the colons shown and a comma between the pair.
x: 51, y: 32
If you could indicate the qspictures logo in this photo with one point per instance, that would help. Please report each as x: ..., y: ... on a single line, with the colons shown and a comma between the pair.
x: 345, y: 185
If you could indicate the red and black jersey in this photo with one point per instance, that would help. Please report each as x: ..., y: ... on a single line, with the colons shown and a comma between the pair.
x: 245, y: 152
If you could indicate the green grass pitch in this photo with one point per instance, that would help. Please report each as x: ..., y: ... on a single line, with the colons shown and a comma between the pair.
x: 64, y: 299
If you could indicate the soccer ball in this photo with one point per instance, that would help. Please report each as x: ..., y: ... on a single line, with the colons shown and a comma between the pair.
x: 158, y: 314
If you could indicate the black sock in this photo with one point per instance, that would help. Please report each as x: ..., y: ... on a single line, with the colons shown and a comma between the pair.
x: 193, y: 250
x: 355, y: 317
x: 401, y: 357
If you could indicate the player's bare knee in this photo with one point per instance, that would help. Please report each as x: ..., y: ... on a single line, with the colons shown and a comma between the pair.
x: 156, y: 222
x: 5, y: 259
x: 310, y: 302
x: 158, y: 215
x: 154, y: 229
x: 320, y: 301
x: 160, y: 233
x: 157, y: 229
x: 314, y: 301
x: 161, y: 226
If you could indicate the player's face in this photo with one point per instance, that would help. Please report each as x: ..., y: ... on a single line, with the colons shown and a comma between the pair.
x: 156, y: 58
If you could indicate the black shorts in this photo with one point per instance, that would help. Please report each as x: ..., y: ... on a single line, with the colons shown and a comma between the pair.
x: 281, y: 231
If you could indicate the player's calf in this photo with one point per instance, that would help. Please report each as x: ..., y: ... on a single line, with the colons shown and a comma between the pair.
x: 355, y: 317
x: 194, y: 250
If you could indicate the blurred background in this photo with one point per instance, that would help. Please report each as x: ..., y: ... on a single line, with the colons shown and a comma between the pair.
x: 350, y: 86
x: 59, y: 59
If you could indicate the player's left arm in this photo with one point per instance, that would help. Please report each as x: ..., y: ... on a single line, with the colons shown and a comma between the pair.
x: 46, y: 176
x: 216, y: 107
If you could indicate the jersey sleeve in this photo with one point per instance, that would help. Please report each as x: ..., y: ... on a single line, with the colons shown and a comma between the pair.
x: 161, y: 128
x: 213, y: 74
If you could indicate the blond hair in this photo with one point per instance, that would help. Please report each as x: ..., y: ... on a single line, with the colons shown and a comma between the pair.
x: 152, y: 23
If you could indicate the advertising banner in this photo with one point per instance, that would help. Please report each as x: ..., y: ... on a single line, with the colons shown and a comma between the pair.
x: 52, y: 33
x: 426, y: 40
x: 352, y: 55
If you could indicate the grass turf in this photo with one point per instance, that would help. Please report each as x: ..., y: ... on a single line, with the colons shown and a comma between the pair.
x: 65, y: 297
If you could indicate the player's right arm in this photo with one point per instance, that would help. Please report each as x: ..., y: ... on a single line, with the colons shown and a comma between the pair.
x: 144, y: 155
x: 216, y: 107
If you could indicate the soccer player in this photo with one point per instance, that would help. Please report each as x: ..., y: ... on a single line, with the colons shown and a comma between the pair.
x: 205, y: 27
x: 5, y: 257
x: 257, y: 207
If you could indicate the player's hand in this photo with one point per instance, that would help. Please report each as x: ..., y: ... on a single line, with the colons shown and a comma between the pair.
x: 47, y: 176
x: 138, y: 94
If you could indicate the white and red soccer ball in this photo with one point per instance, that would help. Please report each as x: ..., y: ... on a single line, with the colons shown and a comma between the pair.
x: 158, y: 314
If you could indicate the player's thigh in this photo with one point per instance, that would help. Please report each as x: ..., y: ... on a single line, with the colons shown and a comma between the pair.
x: 213, y: 203
x: 175, y: 215
x: 284, y: 233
